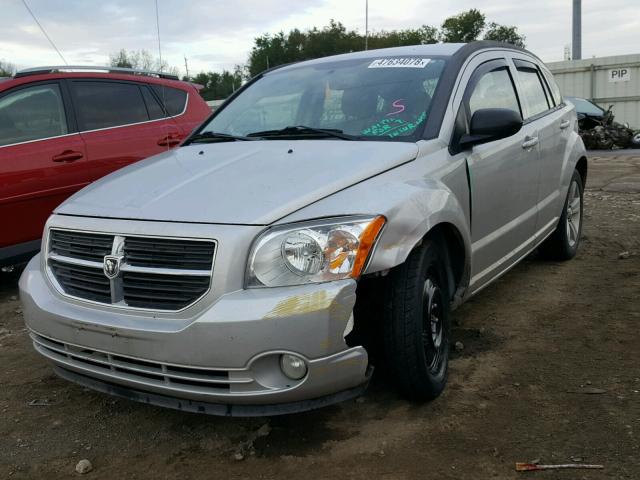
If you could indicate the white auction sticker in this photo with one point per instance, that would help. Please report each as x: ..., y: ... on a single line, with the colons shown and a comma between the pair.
x: 405, y: 62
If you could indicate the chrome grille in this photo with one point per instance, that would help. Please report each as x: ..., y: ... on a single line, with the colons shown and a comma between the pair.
x: 165, y: 253
x: 167, y: 274
x: 163, y: 292
x: 85, y: 246
x: 84, y: 282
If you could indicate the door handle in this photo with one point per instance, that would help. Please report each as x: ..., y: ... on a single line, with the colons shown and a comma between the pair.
x: 529, y: 142
x: 67, y: 156
x: 169, y: 141
x: 564, y: 124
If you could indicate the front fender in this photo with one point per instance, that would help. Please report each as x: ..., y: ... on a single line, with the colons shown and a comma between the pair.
x: 414, y: 198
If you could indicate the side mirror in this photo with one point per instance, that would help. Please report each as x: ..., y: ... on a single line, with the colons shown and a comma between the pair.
x: 489, y: 124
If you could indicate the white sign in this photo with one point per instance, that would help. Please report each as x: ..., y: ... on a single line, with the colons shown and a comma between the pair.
x: 405, y: 62
x: 619, y: 75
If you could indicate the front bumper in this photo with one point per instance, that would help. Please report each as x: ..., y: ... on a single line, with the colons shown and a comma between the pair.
x: 225, y: 354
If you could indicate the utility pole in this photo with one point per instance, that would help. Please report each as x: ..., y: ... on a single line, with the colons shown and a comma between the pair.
x: 366, y: 24
x: 186, y: 66
x: 576, y: 40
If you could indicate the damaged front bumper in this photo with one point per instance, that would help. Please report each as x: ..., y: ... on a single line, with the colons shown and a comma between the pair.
x: 223, y: 360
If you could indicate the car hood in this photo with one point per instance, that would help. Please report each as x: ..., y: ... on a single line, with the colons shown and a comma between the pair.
x: 249, y: 183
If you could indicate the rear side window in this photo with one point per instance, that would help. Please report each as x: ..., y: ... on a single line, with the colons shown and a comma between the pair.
x: 32, y: 113
x: 494, y: 90
x: 532, y: 91
x: 108, y: 104
x: 174, y: 99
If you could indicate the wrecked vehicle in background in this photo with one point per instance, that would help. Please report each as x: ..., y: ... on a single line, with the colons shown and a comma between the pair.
x: 598, y: 129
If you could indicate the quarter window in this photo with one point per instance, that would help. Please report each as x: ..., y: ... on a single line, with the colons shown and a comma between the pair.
x: 555, y: 91
x: 32, y: 113
x: 532, y: 91
x: 174, y: 99
x: 494, y: 90
x: 153, y: 107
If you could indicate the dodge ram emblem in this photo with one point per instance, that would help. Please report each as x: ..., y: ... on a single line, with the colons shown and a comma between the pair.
x: 111, y: 266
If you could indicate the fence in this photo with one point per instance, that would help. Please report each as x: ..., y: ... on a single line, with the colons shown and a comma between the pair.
x: 606, y: 81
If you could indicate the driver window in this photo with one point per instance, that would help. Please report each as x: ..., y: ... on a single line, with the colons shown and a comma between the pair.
x: 494, y: 90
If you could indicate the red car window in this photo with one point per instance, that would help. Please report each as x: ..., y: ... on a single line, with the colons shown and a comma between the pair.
x: 108, y: 104
x: 32, y: 113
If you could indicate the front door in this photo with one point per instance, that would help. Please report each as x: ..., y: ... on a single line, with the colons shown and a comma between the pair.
x: 503, y: 178
x: 42, y: 161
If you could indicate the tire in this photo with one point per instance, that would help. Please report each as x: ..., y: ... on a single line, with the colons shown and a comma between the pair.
x: 417, y: 324
x: 563, y: 243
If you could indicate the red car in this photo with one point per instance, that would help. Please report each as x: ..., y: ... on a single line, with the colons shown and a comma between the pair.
x: 62, y: 128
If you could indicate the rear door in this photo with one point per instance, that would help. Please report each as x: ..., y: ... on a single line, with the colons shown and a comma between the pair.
x: 121, y: 122
x: 561, y: 123
x: 42, y: 159
x: 503, y: 176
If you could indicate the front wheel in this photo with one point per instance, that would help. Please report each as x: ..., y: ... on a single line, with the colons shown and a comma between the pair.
x: 417, y: 323
x: 563, y: 243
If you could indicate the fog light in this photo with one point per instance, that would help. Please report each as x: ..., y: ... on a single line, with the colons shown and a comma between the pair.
x: 293, y: 366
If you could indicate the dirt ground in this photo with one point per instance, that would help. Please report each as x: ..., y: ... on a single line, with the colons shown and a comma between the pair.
x: 550, y: 370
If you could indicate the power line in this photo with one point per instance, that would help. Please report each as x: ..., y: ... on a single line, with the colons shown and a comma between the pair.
x: 24, y: 2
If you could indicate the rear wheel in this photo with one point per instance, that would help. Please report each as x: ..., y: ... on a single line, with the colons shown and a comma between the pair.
x: 565, y: 240
x: 416, y: 323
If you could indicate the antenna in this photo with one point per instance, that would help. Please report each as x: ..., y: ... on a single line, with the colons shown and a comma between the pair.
x: 24, y: 2
x: 164, y: 103
x: 186, y: 66
x: 158, y: 30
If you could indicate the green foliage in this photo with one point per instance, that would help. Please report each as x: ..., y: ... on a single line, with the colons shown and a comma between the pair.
x: 504, y: 33
x: 272, y: 50
x: 464, y: 27
x: 219, y: 85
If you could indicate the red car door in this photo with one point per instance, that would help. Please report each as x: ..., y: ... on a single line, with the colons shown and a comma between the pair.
x: 42, y: 161
x: 121, y: 122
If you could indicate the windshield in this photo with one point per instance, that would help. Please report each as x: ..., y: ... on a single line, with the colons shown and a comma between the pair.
x: 370, y: 99
x: 585, y: 106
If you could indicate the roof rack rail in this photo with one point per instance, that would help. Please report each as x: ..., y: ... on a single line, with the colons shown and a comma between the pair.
x: 90, y: 68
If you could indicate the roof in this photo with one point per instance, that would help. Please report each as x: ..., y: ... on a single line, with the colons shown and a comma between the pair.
x: 462, y: 50
x: 433, y: 49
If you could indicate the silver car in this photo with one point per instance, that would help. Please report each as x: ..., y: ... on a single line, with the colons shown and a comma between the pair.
x: 325, y: 220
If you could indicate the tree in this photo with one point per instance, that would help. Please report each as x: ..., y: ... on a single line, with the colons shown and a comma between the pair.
x: 504, y: 33
x: 272, y: 50
x: 464, y: 27
x: 140, y: 60
x: 219, y: 85
x: 7, y: 69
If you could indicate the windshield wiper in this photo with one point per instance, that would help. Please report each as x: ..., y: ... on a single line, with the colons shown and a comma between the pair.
x: 301, y: 131
x: 206, y: 137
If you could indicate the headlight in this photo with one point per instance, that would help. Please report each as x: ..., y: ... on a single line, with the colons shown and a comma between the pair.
x: 313, y: 252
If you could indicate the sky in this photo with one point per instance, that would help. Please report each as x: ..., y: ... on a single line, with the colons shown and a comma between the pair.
x: 217, y: 34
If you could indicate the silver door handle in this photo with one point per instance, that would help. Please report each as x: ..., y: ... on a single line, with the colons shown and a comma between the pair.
x: 530, y: 142
x: 565, y: 124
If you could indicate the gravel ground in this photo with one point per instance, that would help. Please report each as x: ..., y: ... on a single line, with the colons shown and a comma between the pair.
x: 550, y: 370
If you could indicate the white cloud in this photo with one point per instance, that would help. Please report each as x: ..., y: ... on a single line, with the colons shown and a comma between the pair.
x: 218, y: 34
